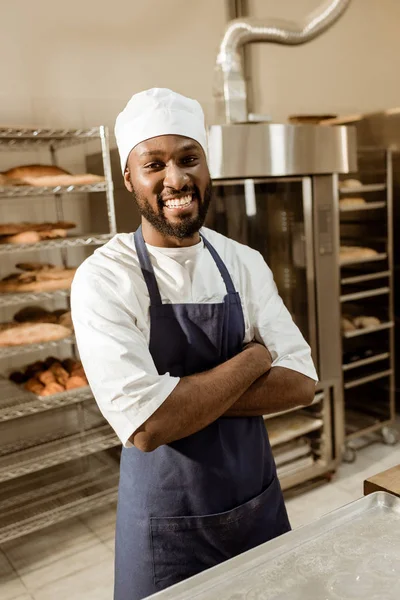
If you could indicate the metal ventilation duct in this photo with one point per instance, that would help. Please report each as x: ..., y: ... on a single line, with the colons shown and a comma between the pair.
x: 230, y: 88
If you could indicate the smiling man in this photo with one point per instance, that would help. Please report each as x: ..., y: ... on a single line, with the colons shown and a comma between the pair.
x: 186, y: 344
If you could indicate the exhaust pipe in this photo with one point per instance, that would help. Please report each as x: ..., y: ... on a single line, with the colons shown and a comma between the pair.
x: 230, y: 85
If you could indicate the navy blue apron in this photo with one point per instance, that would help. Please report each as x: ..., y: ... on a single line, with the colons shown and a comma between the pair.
x: 203, y: 499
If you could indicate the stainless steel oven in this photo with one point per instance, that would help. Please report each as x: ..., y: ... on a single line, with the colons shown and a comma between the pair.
x: 276, y: 190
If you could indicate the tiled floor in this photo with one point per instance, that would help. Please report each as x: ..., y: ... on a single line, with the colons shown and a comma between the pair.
x: 74, y: 560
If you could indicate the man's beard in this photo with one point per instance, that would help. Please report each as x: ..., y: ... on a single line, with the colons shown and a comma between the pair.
x: 187, y: 226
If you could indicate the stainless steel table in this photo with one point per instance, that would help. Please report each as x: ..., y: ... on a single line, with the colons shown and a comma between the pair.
x: 351, y: 553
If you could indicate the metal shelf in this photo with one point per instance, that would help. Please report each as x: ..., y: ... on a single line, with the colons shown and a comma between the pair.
x: 49, y: 454
x: 366, y: 206
x: 317, y: 399
x: 366, y: 361
x: 361, y: 189
x: 289, y: 427
x: 28, y: 190
x: 356, y: 382
x: 16, y: 402
x: 319, y: 469
x: 31, y: 297
x: 359, y: 424
x: 362, y: 278
x: 24, y: 138
x: 365, y: 294
x: 54, y: 495
x: 7, y: 351
x: 92, y: 239
x: 357, y: 332
x: 367, y: 259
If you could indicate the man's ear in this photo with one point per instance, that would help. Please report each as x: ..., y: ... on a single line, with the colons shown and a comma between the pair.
x: 127, y: 180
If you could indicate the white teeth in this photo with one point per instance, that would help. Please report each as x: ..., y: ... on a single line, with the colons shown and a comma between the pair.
x: 178, y: 202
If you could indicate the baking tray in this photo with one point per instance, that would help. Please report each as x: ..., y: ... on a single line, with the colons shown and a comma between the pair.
x: 351, y: 553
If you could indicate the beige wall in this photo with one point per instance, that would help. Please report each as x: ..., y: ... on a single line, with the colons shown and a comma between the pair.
x: 78, y: 65
x: 78, y: 62
x: 352, y: 67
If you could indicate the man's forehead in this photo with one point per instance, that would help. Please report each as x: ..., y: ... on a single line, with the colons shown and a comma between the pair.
x: 164, y: 144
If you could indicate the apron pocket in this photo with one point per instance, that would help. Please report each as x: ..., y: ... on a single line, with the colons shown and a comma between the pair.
x: 185, y: 546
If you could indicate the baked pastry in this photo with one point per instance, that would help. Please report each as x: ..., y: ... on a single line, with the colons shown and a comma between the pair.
x: 34, y: 386
x: 350, y: 183
x: 36, y: 266
x: 26, y: 237
x: 51, y: 388
x: 364, y: 322
x: 35, y: 314
x: 22, y: 175
x: 32, y: 333
x: 46, y: 377
x: 351, y: 202
x: 17, y: 377
x: 34, y: 368
x: 70, y: 364
x: 40, y: 280
x: 14, y: 228
x: 355, y: 253
x: 59, y: 373
x: 75, y: 381
x: 66, y: 320
x: 51, y: 376
x: 50, y: 360
x: 347, y: 324
x: 45, y: 175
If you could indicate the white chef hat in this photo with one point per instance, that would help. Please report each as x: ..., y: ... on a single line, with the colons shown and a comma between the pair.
x: 155, y: 112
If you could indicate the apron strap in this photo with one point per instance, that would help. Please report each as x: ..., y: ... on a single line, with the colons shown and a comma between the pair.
x: 147, y: 268
x: 148, y: 271
x: 230, y: 288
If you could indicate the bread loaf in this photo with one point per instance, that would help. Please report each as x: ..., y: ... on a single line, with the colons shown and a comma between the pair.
x: 364, y: 322
x: 32, y: 333
x: 350, y: 183
x: 347, y: 324
x: 14, y: 228
x: 36, y: 266
x: 348, y: 253
x: 351, y: 202
x: 45, y: 175
x: 42, y: 280
x: 34, y: 314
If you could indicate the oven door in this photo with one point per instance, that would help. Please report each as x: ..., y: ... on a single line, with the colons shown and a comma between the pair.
x: 274, y: 216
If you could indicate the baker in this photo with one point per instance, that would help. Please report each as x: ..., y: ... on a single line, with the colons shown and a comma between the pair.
x: 186, y: 344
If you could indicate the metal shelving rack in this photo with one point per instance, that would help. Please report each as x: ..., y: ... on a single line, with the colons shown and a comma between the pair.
x: 58, y: 471
x: 304, y: 452
x: 367, y: 289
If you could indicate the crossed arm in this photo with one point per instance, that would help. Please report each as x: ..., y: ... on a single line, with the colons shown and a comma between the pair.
x: 245, y: 385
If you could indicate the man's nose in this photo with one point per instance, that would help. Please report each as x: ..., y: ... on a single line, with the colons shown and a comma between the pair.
x: 175, y: 177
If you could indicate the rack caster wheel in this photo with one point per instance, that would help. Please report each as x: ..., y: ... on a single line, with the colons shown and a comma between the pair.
x: 349, y: 455
x: 390, y: 436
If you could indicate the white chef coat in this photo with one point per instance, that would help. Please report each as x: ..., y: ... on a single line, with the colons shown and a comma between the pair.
x: 110, y: 311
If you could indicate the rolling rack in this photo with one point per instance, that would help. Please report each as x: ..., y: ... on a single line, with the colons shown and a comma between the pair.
x: 367, y: 291
x: 58, y: 457
x: 301, y: 439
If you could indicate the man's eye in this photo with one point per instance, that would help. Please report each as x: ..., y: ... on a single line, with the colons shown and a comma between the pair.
x: 189, y: 159
x: 153, y: 165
